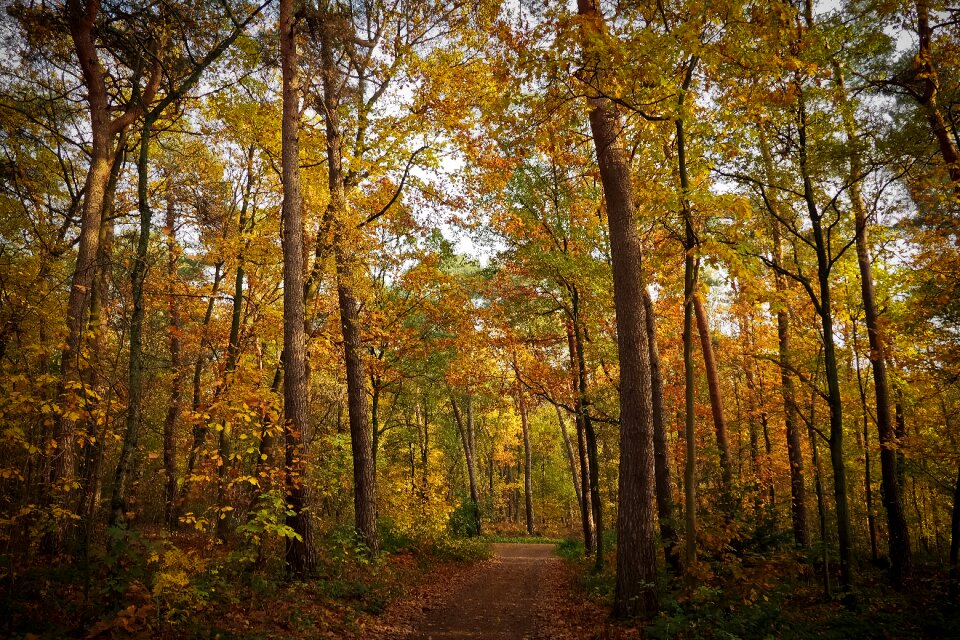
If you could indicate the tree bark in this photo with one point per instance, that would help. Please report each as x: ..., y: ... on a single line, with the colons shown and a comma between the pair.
x: 571, y: 459
x: 798, y: 497
x: 899, y: 535
x: 664, y: 488
x: 300, y: 554
x: 176, y: 366
x: 586, y: 508
x: 465, y: 428
x: 527, y: 471
x: 636, y: 591
x: 716, y: 404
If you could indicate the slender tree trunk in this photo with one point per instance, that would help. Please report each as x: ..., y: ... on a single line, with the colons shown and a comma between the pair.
x: 300, y: 554
x: 955, y: 541
x: 798, y: 498
x: 664, y: 488
x: 821, y: 499
x: 590, y: 436
x: 464, y: 428
x: 716, y: 404
x: 867, y: 471
x: 636, y: 590
x: 118, y: 500
x: 586, y: 507
x: 527, y: 471
x: 571, y: 459
x: 824, y: 309
x: 176, y: 385
x: 899, y: 536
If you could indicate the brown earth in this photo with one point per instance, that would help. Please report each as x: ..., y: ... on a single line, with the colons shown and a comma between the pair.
x: 524, y: 592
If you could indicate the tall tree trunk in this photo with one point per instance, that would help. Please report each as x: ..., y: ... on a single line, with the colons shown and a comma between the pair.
x: 82, y: 18
x: 176, y: 385
x: 824, y: 309
x: 118, y: 500
x: 347, y: 268
x: 716, y: 404
x: 527, y: 471
x: 586, y: 508
x: 300, y: 554
x: 664, y: 488
x: 867, y: 471
x: 925, y: 72
x: 798, y: 498
x: 571, y: 459
x: 899, y: 536
x: 955, y: 541
x: 590, y: 436
x: 465, y: 428
x: 636, y: 591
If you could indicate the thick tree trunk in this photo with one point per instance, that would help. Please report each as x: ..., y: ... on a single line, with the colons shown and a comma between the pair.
x: 636, y: 591
x: 347, y: 268
x: 716, y: 404
x: 798, y: 497
x: 527, y: 471
x: 300, y: 554
x: 664, y: 488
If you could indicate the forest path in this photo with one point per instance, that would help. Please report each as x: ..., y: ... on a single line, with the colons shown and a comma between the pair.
x: 501, y: 601
x: 524, y: 592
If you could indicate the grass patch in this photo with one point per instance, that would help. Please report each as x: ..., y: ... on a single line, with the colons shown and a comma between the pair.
x: 495, y: 538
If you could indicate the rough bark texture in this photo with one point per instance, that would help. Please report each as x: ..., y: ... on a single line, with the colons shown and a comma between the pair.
x: 300, y: 554
x: 590, y: 437
x: 664, y: 488
x: 636, y: 591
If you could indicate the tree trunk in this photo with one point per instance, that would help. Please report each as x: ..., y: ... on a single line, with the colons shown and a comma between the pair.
x: 899, y: 536
x: 347, y: 268
x: 664, y: 488
x: 955, y: 541
x: 586, y: 508
x: 824, y: 310
x: 571, y: 459
x: 716, y: 404
x: 527, y: 471
x: 590, y: 436
x: 636, y: 591
x: 798, y: 498
x: 176, y: 366
x: 468, y: 452
x: 300, y: 555
x: 118, y: 500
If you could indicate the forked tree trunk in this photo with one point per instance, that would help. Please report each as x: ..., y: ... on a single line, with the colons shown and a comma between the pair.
x: 636, y: 591
x: 465, y: 428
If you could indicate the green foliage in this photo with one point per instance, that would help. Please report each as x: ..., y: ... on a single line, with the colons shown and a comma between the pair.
x: 463, y: 520
x: 266, y: 521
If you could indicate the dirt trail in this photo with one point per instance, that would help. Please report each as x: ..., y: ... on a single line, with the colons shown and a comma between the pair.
x: 501, y: 601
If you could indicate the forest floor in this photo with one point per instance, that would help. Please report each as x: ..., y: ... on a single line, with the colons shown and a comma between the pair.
x: 524, y: 592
